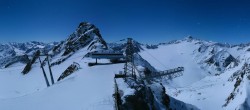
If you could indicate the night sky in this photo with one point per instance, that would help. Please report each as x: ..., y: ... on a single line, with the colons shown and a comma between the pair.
x: 147, y: 21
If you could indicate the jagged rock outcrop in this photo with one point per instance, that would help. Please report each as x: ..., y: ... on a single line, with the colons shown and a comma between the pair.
x: 71, y: 69
x: 28, y: 66
x: 221, y: 60
x: 215, y: 56
x: 86, y: 36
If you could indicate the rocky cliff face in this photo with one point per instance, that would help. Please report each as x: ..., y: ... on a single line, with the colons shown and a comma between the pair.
x: 86, y: 36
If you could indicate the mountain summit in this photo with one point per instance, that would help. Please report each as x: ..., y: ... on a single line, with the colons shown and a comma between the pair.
x: 86, y: 35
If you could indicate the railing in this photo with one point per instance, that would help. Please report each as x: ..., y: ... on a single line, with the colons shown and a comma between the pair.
x: 106, y: 55
x: 116, y: 106
x: 171, y: 71
x: 166, y: 73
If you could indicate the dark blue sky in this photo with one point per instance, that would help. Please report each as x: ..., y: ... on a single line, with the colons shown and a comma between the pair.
x: 148, y: 21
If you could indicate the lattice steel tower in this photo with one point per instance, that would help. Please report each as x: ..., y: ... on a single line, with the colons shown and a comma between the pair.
x: 129, y: 69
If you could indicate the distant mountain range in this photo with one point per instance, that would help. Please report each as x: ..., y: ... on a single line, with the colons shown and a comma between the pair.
x: 216, y: 75
x: 11, y: 53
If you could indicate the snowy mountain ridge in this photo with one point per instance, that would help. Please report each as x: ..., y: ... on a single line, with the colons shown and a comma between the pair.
x: 209, y: 67
x: 19, y: 52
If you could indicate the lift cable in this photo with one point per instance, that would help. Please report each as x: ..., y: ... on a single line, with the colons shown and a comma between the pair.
x: 156, y: 59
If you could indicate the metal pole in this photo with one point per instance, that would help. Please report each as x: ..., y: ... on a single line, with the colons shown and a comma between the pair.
x: 51, y: 75
x: 44, y: 74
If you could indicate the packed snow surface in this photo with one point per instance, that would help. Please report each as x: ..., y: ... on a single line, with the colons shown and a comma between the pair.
x: 89, y: 88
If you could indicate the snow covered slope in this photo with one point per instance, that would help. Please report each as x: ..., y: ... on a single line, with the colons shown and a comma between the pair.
x: 174, y: 55
x: 215, y: 77
x: 86, y: 89
x: 89, y: 88
x: 209, y: 66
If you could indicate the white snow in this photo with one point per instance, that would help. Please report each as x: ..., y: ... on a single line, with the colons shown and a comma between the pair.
x: 197, y: 86
x: 89, y: 88
x: 173, y: 56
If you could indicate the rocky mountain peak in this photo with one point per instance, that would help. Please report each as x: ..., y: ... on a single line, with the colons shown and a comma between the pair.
x: 86, y: 35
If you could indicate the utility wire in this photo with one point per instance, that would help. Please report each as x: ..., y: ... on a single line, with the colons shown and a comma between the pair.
x: 156, y: 59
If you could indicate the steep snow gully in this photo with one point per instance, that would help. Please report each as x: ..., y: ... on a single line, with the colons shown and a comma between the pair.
x: 216, y: 75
